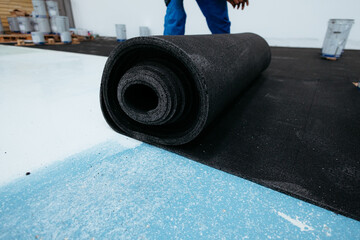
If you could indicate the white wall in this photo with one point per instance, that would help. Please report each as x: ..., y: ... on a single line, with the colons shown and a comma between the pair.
x: 280, y: 22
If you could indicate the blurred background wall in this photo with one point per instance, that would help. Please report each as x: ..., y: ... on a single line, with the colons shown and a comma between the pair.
x: 281, y: 22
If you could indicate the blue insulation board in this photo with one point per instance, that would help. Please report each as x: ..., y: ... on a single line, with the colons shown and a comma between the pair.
x: 113, y: 192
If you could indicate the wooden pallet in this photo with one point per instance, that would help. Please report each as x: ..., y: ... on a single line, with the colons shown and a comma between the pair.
x: 12, y: 38
x: 49, y: 41
x: 53, y: 36
x: 15, y: 37
x: 331, y: 58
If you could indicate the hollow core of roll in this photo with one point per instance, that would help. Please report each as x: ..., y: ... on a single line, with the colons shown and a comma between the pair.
x: 141, y: 98
x: 154, y: 92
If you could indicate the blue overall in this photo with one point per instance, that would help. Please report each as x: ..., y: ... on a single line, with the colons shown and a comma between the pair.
x: 215, y: 12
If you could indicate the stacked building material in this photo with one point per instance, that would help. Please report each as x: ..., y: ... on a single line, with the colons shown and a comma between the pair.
x: 45, y: 10
x: 24, y: 24
x: 40, y: 17
x: 1, y: 28
x: 13, y: 24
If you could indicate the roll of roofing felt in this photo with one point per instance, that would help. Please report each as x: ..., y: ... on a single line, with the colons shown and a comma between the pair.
x: 167, y: 89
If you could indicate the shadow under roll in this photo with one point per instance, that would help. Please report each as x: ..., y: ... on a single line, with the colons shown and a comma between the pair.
x: 167, y: 89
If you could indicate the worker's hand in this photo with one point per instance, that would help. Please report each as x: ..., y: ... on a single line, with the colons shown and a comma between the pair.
x: 238, y: 3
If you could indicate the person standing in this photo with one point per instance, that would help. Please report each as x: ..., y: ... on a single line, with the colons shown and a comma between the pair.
x: 215, y: 12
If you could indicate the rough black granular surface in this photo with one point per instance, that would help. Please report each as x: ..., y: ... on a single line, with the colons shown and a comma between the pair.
x: 100, y: 46
x: 167, y: 89
x: 296, y: 129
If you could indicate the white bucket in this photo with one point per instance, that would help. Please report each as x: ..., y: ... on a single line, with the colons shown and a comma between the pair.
x: 39, y: 8
x: 52, y: 8
x: 24, y: 24
x: 144, y: 31
x: 62, y: 24
x: 336, y: 37
x: 1, y: 28
x: 13, y: 24
x: 53, y: 25
x: 65, y: 37
x: 34, y: 24
x: 43, y: 25
x: 38, y: 38
x: 120, y: 32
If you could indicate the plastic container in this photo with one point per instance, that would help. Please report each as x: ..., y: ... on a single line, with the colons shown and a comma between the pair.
x: 34, y: 24
x: 39, y: 8
x: 144, y: 31
x: 13, y: 24
x: 336, y: 37
x: 24, y: 24
x: 53, y: 25
x: 52, y: 8
x: 62, y: 24
x: 43, y: 25
x: 120, y: 32
x: 1, y: 28
x: 38, y: 38
x: 65, y: 37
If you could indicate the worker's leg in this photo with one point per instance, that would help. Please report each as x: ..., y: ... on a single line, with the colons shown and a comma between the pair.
x: 216, y: 14
x: 175, y: 18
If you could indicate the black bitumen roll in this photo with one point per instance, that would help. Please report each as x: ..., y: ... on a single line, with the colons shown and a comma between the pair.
x: 293, y: 130
x: 167, y: 89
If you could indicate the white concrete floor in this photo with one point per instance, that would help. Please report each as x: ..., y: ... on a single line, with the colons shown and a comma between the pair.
x: 49, y: 108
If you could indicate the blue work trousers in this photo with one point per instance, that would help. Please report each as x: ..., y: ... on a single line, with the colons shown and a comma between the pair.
x: 215, y: 12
